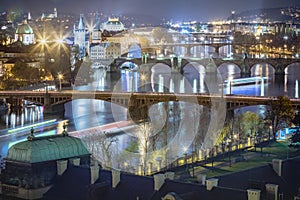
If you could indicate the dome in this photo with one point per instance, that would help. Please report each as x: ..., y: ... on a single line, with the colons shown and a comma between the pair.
x: 113, y: 23
x: 24, y: 28
x: 41, y: 149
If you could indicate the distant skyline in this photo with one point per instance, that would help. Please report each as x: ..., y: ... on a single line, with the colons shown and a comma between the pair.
x: 201, y: 10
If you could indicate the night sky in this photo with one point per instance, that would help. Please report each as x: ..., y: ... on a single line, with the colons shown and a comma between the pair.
x: 178, y: 10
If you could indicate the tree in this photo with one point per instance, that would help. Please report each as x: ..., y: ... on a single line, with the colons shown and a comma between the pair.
x: 295, y: 140
x: 280, y: 113
x: 144, y: 137
x: 252, y: 122
x: 100, y: 144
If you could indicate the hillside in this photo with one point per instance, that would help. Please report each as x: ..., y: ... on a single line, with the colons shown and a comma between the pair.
x: 288, y: 14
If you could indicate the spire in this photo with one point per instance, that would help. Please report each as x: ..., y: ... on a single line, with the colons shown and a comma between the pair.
x: 29, y: 16
x: 55, y: 12
x: 81, y: 25
x: 97, y: 22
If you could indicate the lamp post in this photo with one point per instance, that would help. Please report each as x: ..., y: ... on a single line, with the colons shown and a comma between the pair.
x: 285, y: 45
x: 143, y: 79
x: 230, y: 84
x: 270, y: 130
x: 60, y: 77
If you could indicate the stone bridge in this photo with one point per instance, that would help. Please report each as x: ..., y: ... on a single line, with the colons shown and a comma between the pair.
x: 189, y: 46
x: 137, y: 103
x: 245, y: 65
x: 115, y: 66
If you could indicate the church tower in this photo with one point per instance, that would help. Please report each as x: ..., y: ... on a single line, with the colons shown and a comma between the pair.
x: 55, y: 13
x: 96, y: 32
x: 79, y: 37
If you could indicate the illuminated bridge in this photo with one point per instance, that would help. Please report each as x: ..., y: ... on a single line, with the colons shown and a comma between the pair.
x: 245, y: 65
x: 137, y: 103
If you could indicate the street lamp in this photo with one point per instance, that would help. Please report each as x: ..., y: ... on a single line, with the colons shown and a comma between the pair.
x: 60, y: 77
x: 230, y: 84
x: 270, y: 130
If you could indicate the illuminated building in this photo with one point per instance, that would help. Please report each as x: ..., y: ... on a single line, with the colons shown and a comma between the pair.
x: 50, y: 15
x: 80, y: 37
x: 96, y: 33
x: 113, y: 25
x: 113, y: 50
x: 24, y: 33
x: 98, y: 51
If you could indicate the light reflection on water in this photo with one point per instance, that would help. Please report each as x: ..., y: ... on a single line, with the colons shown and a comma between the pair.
x: 89, y: 113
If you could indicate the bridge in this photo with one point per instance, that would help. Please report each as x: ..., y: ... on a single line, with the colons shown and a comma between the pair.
x: 137, y: 103
x: 245, y: 65
x: 189, y: 46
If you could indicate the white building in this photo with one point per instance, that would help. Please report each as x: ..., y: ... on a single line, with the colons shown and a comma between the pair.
x: 113, y: 25
x: 98, y: 51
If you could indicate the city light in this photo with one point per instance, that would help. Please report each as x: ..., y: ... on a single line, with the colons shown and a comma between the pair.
x: 32, y: 126
x: 60, y: 77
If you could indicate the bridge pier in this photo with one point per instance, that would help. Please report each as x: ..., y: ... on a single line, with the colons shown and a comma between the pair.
x: 14, y: 102
x: 138, y: 114
x: 52, y: 109
x: 279, y: 69
x: 217, y: 50
x: 58, y: 109
x: 245, y: 70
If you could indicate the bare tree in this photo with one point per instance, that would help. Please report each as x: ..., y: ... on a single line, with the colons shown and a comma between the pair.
x: 100, y: 145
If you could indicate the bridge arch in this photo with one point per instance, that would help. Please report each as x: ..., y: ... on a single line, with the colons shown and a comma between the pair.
x: 160, y: 77
x: 229, y: 68
x: 121, y: 61
x: 262, y: 69
x: 292, y: 64
x: 194, y: 74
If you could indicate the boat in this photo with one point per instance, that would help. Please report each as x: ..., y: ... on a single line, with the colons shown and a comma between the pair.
x: 245, y: 81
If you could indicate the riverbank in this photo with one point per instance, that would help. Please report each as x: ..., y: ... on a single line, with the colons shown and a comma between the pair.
x: 237, y: 161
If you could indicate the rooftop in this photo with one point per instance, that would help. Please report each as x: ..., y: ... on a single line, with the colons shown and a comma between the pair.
x: 48, y: 148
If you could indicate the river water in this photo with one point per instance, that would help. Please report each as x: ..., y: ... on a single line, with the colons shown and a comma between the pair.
x: 83, y: 114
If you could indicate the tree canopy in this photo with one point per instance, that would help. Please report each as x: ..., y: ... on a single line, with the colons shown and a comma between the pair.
x: 280, y: 113
x: 252, y: 123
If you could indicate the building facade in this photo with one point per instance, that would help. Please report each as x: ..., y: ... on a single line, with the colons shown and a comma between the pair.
x: 24, y: 33
x: 32, y: 166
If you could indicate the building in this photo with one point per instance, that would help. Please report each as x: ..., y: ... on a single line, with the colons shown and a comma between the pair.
x: 96, y: 32
x: 80, y: 35
x: 113, y: 25
x: 34, y: 165
x: 18, y: 51
x: 24, y: 33
x: 113, y: 50
x: 49, y: 16
x: 98, y: 51
x: 279, y: 180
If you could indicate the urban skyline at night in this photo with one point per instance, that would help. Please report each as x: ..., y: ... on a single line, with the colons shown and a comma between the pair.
x: 157, y: 99
x: 179, y: 10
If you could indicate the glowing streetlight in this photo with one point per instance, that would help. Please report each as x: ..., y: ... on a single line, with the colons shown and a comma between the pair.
x: 143, y: 79
x: 60, y: 41
x: 43, y: 41
x: 60, y: 77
